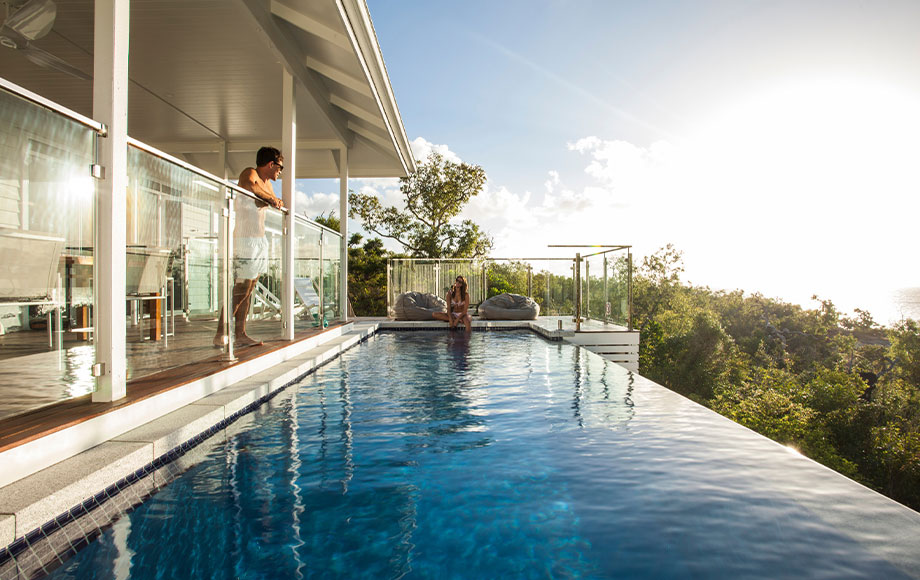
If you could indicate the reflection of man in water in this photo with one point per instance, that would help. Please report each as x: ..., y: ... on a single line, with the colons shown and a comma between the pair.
x: 250, y: 248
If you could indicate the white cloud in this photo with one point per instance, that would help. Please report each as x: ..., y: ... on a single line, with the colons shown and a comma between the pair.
x: 495, y: 207
x: 421, y: 148
x: 316, y: 203
x: 551, y: 183
x: 385, y: 189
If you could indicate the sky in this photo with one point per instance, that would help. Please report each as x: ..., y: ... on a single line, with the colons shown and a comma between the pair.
x: 776, y: 144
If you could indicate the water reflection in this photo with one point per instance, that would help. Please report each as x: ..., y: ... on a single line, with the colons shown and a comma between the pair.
x: 601, y: 391
x: 422, y: 454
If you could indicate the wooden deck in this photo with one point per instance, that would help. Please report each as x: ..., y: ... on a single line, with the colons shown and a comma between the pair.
x: 42, y: 388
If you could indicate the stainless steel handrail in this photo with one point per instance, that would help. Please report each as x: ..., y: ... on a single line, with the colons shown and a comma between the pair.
x: 308, y: 221
x: 197, y: 170
x: 479, y: 259
x: 52, y: 106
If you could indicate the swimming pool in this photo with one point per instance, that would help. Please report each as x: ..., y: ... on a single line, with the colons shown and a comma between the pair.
x: 500, y: 454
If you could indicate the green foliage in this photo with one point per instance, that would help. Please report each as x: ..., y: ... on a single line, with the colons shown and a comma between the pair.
x: 841, y: 390
x: 905, y: 350
x: 331, y: 221
x: 434, y: 195
x: 509, y: 277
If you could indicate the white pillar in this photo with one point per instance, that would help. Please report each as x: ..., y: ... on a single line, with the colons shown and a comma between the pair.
x: 343, y: 228
x: 289, y: 150
x: 110, y: 106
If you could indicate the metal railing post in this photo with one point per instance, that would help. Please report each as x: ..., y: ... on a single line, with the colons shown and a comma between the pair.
x: 389, y: 286
x: 577, y: 292
x: 226, y: 275
x: 437, y: 278
x: 606, y: 292
x: 629, y: 290
x: 322, y: 276
x: 586, y: 289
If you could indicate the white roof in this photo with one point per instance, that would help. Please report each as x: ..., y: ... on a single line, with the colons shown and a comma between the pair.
x: 205, y: 72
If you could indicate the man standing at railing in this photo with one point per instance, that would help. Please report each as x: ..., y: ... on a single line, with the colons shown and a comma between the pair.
x: 250, y: 248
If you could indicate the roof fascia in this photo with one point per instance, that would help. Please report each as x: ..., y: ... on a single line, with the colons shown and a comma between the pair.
x: 356, y: 19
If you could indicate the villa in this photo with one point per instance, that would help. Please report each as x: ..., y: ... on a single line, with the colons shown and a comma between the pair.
x: 124, y: 126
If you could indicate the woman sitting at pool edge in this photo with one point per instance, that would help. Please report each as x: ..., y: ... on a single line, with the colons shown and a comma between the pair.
x: 458, y: 306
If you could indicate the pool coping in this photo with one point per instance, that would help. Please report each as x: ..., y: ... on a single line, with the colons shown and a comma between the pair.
x: 33, y: 503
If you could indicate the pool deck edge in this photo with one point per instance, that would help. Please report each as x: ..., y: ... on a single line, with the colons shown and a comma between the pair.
x: 34, y: 501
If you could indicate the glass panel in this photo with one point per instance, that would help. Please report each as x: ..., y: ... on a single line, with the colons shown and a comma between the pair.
x: 174, y: 262
x: 617, y: 280
x: 46, y: 242
x: 473, y: 272
x: 332, y: 263
x: 435, y: 277
x: 307, y: 276
x: 511, y: 277
x: 554, y: 287
x: 605, y: 287
x: 592, y: 300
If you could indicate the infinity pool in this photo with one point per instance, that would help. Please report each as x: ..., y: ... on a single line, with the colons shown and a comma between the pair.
x: 499, y: 455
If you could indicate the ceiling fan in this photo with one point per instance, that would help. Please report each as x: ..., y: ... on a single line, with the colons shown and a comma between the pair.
x: 30, y: 21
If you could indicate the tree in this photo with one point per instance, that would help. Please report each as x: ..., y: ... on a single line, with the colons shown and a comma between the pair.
x: 434, y: 195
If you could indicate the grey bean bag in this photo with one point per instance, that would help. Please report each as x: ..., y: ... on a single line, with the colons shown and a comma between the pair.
x: 509, y: 307
x: 417, y: 306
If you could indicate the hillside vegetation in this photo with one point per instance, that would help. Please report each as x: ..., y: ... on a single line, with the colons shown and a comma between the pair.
x: 841, y: 390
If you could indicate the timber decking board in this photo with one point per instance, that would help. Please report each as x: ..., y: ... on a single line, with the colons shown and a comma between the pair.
x: 30, y: 425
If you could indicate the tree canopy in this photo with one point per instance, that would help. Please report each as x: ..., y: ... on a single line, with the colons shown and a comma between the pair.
x: 434, y: 196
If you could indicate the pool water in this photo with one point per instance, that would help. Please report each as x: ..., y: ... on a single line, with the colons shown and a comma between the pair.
x: 491, y: 455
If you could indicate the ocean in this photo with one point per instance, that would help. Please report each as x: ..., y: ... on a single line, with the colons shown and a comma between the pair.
x: 906, y: 303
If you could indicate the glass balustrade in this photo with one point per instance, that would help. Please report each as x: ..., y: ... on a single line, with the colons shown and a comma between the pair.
x: 617, y: 281
x: 47, y: 195
x: 308, y: 308
x: 332, y: 278
x: 605, y: 287
x: 181, y: 279
x: 175, y: 258
x: 548, y: 281
x: 433, y: 276
x: 551, y: 282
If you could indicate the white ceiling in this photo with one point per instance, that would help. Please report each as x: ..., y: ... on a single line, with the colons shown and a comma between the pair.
x: 210, y: 71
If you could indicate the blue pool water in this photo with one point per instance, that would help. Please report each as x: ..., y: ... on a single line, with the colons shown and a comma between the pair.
x: 496, y: 455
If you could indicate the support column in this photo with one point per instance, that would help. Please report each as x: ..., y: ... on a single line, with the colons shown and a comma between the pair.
x: 288, y: 195
x: 110, y: 106
x: 343, y: 229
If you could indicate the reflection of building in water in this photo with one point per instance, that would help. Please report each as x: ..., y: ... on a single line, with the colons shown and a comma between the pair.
x: 602, y: 391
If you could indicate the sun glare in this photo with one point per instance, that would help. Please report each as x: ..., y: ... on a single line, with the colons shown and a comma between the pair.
x: 823, y: 168
x: 848, y: 134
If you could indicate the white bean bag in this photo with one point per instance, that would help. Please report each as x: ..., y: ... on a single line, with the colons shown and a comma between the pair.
x: 509, y: 307
x: 417, y: 306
